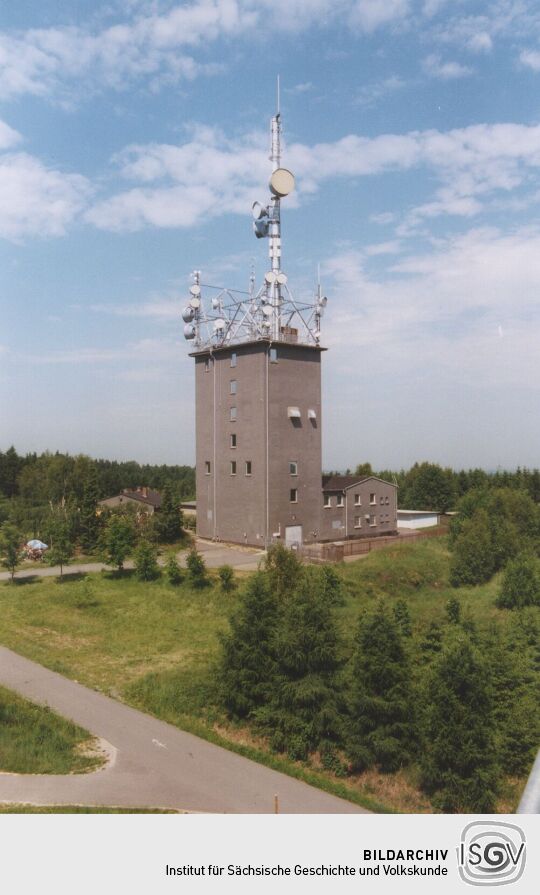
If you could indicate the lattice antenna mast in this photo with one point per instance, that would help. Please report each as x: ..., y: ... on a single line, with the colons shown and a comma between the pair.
x: 272, y: 312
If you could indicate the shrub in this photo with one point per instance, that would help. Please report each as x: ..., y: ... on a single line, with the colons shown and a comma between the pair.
x: 173, y: 571
x: 520, y: 585
x: 196, y: 567
x: 146, y: 565
x: 226, y: 578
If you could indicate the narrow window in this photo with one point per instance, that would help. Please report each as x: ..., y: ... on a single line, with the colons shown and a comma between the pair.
x: 357, y: 500
x: 233, y: 387
x: 373, y: 520
x: 327, y: 500
x: 387, y: 501
x: 293, y: 495
x: 207, y: 467
x: 293, y: 467
x: 373, y: 498
x: 232, y: 415
x: 358, y: 522
x: 340, y: 502
x: 248, y: 467
x: 233, y: 467
x: 273, y: 355
x: 233, y: 440
x: 233, y: 359
x: 382, y: 500
x: 207, y: 365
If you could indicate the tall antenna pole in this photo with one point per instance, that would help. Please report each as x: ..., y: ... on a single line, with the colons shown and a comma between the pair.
x: 274, y: 233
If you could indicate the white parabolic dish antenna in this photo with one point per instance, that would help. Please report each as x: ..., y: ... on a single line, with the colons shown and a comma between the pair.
x: 282, y: 182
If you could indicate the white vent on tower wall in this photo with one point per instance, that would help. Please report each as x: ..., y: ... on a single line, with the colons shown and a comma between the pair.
x: 293, y: 413
x: 312, y: 414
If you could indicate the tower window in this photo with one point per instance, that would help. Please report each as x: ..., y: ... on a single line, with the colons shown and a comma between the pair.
x: 233, y: 440
x: 232, y: 414
x: 207, y: 365
x: 327, y: 500
x: 233, y: 387
x: 248, y: 467
x: 233, y: 359
x: 273, y: 355
x: 293, y: 467
x: 233, y: 467
x: 340, y: 501
x: 207, y: 467
x: 357, y: 500
x: 293, y: 495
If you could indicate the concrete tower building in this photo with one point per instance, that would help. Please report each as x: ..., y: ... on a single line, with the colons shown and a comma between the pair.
x: 258, y: 397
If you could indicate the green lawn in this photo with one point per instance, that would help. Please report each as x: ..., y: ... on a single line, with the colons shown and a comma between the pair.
x: 34, y: 740
x: 155, y: 646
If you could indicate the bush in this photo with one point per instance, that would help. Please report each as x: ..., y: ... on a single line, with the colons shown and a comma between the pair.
x: 472, y: 559
x: 520, y: 585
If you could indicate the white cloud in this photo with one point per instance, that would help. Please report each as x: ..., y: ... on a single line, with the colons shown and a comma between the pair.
x: 370, y: 94
x: 531, y: 59
x: 8, y: 136
x: 445, y: 310
x: 446, y: 71
x: 371, y: 14
x: 160, y: 47
x: 36, y: 200
x: 480, y: 42
x: 210, y: 175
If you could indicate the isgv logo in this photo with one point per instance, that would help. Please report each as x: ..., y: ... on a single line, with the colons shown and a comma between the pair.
x: 491, y: 853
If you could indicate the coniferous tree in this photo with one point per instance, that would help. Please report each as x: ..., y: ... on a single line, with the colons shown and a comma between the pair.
x: 10, y: 548
x: 453, y: 610
x: 402, y: 617
x: 381, y: 706
x: 89, y: 523
x: 521, y: 584
x: 248, y: 664
x: 472, y: 560
x: 431, y: 643
x: 168, y: 520
x: 458, y: 760
x: 226, y: 578
x: 173, y: 571
x: 146, y: 564
x: 196, y: 567
x: 303, y: 715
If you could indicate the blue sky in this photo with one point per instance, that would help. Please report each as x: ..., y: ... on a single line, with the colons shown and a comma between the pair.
x: 133, y: 140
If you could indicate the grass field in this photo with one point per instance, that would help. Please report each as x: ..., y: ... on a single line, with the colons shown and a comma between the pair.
x: 34, y: 740
x: 77, y: 809
x: 155, y: 646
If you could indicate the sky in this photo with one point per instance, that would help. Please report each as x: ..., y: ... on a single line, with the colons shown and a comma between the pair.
x: 134, y: 137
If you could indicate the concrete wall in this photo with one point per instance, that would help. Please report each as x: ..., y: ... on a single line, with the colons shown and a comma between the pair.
x: 251, y: 508
x: 416, y: 521
x: 339, y: 523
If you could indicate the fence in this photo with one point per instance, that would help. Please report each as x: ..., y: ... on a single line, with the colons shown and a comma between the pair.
x: 336, y: 552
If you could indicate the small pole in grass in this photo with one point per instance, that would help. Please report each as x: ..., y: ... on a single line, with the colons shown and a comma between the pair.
x: 276, y: 804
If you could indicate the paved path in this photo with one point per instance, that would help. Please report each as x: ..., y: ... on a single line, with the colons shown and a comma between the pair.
x: 241, y: 558
x: 155, y: 765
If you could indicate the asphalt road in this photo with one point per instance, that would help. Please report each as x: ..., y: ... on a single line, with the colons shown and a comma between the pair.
x: 241, y: 558
x: 153, y: 764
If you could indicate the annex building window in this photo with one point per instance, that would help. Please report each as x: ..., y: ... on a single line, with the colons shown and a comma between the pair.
x: 233, y: 467
x: 358, y: 522
x: 357, y: 500
x: 293, y: 467
x: 233, y: 359
x: 232, y: 414
x: 340, y: 500
x: 373, y: 520
x: 207, y: 467
x: 327, y: 500
x: 248, y: 467
x: 293, y: 495
x: 273, y: 355
x: 233, y: 440
x: 373, y: 498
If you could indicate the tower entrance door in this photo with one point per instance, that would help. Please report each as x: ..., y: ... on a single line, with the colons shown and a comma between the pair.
x: 293, y: 535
